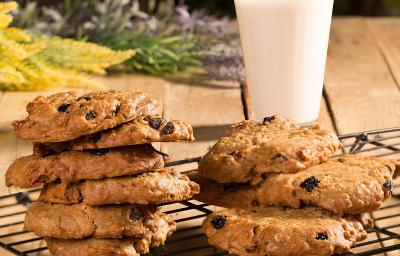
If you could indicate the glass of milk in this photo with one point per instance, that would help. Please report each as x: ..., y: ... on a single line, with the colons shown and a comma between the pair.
x: 285, y: 45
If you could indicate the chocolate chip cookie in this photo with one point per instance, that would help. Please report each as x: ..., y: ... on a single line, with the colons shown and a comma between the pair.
x: 348, y: 184
x: 282, y: 231
x: 67, y: 116
x: 141, y: 130
x: 155, y: 187
x: 254, y: 150
x: 81, y: 220
x: 30, y: 171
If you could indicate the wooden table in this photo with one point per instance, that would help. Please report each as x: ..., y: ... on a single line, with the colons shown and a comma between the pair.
x: 362, y: 92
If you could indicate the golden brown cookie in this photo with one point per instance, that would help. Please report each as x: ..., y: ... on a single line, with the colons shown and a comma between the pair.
x: 67, y: 116
x: 81, y: 220
x: 141, y: 130
x: 129, y: 246
x: 254, y: 150
x: 30, y: 171
x: 154, y: 187
x: 282, y: 231
x: 348, y: 184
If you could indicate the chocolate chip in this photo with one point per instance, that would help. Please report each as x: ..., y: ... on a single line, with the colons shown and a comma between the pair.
x: 63, y: 107
x: 154, y: 123
x: 321, y: 236
x: 268, y: 119
x: 310, y: 183
x: 134, y: 215
x: 99, y: 152
x: 84, y: 98
x: 117, y: 108
x: 280, y: 157
x: 95, y: 137
x: 91, y: 115
x: 218, y: 221
x: 388, y: 185
x: 168, y: 128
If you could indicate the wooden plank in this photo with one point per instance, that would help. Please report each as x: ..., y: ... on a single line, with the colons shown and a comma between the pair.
x: 325, y: 118
x: 209, y: 106
x: 358, y: 83
x: 387, y: 33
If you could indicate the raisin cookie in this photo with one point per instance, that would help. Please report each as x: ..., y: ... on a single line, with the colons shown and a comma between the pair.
x: 81, y: 220
x: 348, y: 184
x: 282, y: 231
x: 30, y: 171
x: 129, y: 246
x: 254, y: 150
x: 155, y: 187
x: 141, y: 130
x: 67, y: 116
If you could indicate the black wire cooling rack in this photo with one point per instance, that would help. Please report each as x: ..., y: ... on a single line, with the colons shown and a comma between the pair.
x: 384, y: 239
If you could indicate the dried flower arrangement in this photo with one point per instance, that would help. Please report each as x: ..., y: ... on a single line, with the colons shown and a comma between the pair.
x: 42, y: 62
x: 170, y: 41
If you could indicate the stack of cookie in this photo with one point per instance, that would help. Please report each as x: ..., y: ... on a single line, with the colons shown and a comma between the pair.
x: 287, y: 195
x: 101, y: 176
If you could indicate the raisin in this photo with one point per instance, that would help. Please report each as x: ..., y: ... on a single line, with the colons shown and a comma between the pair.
x: 99, y: 152
x: 280, y: 157
x: 268, y: 119
x: 321, y: 236
x: 388, y: 185
x: 310, y: 183
x: 232, y: 187
x: 134, y: 215
x: 63, y: 107
x: 91, y: 115
x: 95, y: 137
x: 117, y: 108
x: 154, y: 123
x: 84, y: 98
x: 168, y: 128
x: 218, y: 221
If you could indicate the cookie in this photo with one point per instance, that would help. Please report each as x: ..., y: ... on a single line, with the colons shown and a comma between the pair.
x: 348, y: 184
x: 155, y: 187
x: 67, y: 116
x: 282, y: 231
x: 129, y: 246
x: 253, y: 150
x: 30, y: 171
x: 141, y: 130
x: 81, y: 220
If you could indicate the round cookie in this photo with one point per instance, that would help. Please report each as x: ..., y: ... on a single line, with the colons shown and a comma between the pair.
x: 67, y: 116
x: 81, y: 220
x: 253, y: 150
x: 30, y: 171
x: 161, y: 186
x: 282, y: 232
x: 348, y: 184
x: 141, y: 130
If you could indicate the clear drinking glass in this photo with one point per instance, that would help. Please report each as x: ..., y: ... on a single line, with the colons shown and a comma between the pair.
x: 285, y: 46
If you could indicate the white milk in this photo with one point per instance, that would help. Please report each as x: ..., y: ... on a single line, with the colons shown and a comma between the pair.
x: 285, y: 45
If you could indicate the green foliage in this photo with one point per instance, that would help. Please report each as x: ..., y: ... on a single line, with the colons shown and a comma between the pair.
x: 32, y: 63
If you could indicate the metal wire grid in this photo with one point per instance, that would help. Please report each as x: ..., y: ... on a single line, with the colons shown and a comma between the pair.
x: 384, y: 239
